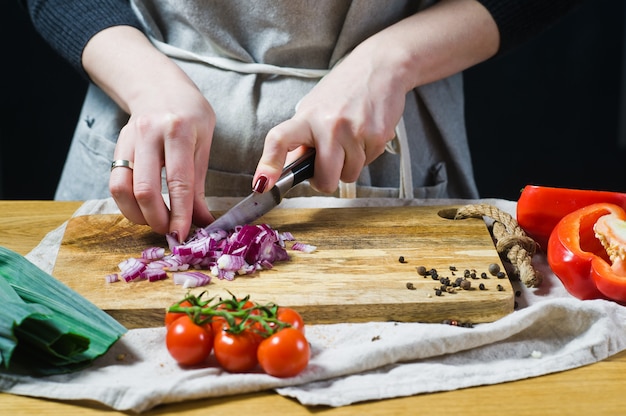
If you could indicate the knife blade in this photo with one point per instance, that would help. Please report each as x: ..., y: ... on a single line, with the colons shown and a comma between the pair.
x: 256, y: 204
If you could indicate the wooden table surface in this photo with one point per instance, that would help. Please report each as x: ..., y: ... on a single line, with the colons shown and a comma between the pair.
x: 596, y: 389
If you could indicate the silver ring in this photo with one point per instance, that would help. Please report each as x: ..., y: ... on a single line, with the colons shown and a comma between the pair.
x: 120, y: 163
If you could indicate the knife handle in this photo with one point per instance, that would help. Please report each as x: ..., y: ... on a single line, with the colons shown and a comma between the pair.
x: 302, y: 168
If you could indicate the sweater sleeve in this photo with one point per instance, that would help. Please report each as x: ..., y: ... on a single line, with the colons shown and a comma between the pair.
x: 520, y: 20
x: 67, y: 25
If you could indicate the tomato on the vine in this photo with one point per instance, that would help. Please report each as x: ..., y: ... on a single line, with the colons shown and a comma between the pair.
x: 236, y: 352
x: 285, y: 353
x: 218, y: 322
x: 172, y: 316
x: 241, y: 334
x: 291, y: 317
x: 187, y: 342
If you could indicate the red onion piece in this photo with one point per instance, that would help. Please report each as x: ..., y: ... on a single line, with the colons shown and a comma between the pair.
x: 306, y: 248
x: 153, y: 274
x: 153, y: 253
x: 231, y: 262
x: 245, y: 250
x: 131, y: 268
x: 112, y: 278
x: 191, y: 279
x: 172, y: 241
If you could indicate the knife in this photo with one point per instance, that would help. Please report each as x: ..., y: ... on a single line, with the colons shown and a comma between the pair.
x: 256, y: 204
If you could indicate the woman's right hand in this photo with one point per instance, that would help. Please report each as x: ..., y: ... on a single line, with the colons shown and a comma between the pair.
x: 170, y: 126
x: 352, y: 112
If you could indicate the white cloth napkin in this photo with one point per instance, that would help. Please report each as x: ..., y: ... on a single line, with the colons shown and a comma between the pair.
x: 550, y: 331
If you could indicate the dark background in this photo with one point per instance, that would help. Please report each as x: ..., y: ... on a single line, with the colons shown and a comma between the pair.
x: 549, y: 113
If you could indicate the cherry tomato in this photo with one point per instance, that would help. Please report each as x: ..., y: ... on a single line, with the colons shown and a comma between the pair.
x: 187, y: 342
x: 291, y: 317
x: 218, y: 322
x: 172, y: 316
x: 284, y: 354
x: 236, y: 353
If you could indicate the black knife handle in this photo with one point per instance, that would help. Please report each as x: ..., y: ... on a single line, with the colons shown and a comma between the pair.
x: 302, y: 168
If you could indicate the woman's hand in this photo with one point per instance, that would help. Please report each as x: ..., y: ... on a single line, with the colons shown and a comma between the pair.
x: 170, y: 126
x: 348, y: 117
x: 352, y: 113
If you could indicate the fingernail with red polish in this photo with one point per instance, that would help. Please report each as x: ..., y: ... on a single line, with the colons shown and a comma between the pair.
x: 175, y: 236
x: 260, y: 184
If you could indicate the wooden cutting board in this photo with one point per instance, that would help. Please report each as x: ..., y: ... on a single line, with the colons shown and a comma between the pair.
x: 354, y: 275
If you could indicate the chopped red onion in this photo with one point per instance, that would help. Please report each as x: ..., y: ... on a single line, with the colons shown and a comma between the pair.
x: 222, y: 274
x: 131, y: 268
x: 191, y: 279
x: 112, y: 278
x: 172, y: 241
x: 153, y: 253
x: 245, y: 250
x: 287, y: 236
x: 306, y: 248
x: 231, y: 262
x: 153, y: 274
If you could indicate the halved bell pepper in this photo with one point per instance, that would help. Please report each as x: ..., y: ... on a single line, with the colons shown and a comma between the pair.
x: 586, y: 252
x: 540, y: 208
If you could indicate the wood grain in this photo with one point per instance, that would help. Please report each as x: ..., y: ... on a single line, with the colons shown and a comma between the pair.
x: 593, y: 389
x: 354, y: 276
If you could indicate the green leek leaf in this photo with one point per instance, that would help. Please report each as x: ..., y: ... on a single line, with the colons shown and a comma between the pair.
x: 45, y: 326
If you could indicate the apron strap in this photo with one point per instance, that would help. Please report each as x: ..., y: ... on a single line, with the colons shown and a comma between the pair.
x: 406, y: 173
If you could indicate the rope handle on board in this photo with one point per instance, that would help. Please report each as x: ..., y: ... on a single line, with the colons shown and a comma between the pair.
x: 510, y: 239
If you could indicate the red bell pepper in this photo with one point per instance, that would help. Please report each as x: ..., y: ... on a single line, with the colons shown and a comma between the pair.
x: 540, y: 208
x: 586, y: 251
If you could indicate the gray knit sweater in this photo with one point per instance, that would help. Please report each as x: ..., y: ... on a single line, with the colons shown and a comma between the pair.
x: 67, y: 25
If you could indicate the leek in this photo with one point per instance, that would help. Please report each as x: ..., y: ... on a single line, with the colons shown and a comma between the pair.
x: 45, y: 326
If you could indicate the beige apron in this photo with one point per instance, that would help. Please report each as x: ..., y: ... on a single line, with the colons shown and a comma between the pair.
x: 254, y: 60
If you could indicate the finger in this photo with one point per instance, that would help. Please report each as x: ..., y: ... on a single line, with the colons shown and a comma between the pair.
x: 328, y: 167
x: 354, y: 157
x: 340, y: 155
x: 121, y: 181
x: 179, y: 145
x: 280, y: 140
x: 121, y: 188
x: 147, y: 179
x: 201, y: 216
x: 376, y: 141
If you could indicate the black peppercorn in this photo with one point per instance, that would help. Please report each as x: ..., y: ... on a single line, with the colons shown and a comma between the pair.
x: 494, y: 268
